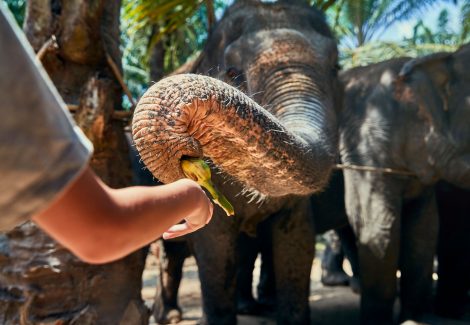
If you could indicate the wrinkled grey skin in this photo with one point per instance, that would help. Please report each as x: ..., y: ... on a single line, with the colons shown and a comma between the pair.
x: 284, y: 57
x: 410, y: 115
x: 328, y: 213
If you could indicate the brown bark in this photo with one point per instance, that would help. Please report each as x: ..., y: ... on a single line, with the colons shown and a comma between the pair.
x: 157, y: 58
x: 210, y: 15
x: 41, y: 282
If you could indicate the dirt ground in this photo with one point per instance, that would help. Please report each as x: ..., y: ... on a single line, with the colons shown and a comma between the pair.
x: 328, y: 305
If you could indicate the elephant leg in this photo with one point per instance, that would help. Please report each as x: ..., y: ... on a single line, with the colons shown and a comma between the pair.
x: 419, y: 226
x: 293, y: 251
x: 378, y: 283
x: 247, y: 251
x: 215, y: 248
x: 453, y: 251
x: 373, y: 204
x: 332, y: 262
x: 267, y: 280
x: 348, y: 244
x: 172, y: 255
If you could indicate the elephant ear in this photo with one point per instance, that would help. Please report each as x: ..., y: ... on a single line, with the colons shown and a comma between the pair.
x: 425, y: 83
x: 435, y: 65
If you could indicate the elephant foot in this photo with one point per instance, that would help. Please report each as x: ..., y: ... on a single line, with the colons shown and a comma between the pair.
x: 169, y: 315
x: 267, y: 305
x: 453, y: 312
x: 355, y: 285
x: 331, y: 279
x: 247, y: 307
x: 450, y: 305
x: 255, y: 308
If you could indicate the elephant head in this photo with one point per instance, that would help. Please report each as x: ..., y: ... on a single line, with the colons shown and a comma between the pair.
x: 439, y: 85
x: 280, y: 137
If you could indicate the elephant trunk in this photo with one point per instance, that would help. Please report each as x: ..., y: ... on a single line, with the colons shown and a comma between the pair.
x: 196, y: 116
x: 303, y: 106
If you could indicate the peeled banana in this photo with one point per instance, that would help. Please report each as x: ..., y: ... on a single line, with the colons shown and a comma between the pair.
x: 197, y: 170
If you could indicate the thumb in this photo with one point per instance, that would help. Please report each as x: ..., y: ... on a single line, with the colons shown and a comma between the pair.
x: 178, y: 230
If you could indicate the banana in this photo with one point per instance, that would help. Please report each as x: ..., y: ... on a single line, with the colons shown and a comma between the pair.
x: 197, y: 170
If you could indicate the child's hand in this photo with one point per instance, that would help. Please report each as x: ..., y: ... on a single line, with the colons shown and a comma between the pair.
x: 200, y: 217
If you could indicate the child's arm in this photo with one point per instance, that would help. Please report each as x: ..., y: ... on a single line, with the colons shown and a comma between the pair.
x: 100, y: 224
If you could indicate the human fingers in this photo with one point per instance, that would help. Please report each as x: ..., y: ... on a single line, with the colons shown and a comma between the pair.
x: 178, y: 230
x: 211, y: 212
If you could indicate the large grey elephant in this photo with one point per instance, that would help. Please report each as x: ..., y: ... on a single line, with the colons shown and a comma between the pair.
x: 272, y: 147
x: 412, y: 116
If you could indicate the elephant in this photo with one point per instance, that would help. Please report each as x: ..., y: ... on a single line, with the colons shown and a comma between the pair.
x: 270, y: 148
x: 340, y: 244
x: 248, y: 249
x: 328, y: 213
x: 330, y: 218
x: 410, y: 115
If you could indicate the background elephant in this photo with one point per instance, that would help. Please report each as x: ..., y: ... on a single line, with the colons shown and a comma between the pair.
x: 340, y: 244
x: 270, y: 159
x: 410, y: 115
x: 330, y: 218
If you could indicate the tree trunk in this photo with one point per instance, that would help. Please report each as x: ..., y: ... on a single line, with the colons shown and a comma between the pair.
x: 40, y: 281
x: 157, y: 58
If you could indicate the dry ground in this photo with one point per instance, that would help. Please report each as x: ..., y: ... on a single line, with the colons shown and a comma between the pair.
x: 332, y: 306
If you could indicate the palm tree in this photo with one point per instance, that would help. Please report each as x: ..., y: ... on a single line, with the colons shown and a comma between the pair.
x: 17, y: 8
x: 161, y: 35
x: 443, y: 34
x: 362, y: 48
x: 358, y: 22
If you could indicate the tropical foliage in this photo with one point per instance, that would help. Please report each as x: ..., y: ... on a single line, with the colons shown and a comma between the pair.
x: 443, y: 33
x: 358, y: 22
x: 425, y: 39
x: 373, y: 52
x: 180, y: 27
x: 17, y: 7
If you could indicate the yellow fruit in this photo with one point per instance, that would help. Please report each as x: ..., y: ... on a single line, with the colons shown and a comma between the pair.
x: 197, y: 170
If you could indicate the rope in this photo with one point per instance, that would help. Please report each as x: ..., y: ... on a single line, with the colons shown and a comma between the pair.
x: 382, y: 170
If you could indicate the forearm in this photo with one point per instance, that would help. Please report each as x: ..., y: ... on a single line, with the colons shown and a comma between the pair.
x: 150, y: 211
x: 100, y: 224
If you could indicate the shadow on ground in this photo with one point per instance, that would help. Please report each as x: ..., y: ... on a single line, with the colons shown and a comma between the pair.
x: 328, y: 305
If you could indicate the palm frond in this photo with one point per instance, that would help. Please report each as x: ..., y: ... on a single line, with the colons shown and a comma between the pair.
x: 465, y: 19
x: 366, y: 19
x: 168, y: 14
x: 379, y: 51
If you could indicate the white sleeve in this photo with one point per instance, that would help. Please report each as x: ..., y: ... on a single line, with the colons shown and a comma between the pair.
x: 41, y: 148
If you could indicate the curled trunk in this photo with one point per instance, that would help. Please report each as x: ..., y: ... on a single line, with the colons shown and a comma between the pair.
x: 196, y: 116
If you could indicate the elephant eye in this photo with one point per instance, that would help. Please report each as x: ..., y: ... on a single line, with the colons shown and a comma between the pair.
x: 233, y: 73
x: 336, y: 68
x: 235, y: 77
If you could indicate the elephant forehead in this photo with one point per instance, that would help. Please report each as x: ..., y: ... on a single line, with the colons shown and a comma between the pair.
x: 289, y: 43
x: 268, y: 16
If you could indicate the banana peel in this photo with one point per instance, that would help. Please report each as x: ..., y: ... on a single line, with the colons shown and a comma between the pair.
x: 197, y: 170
